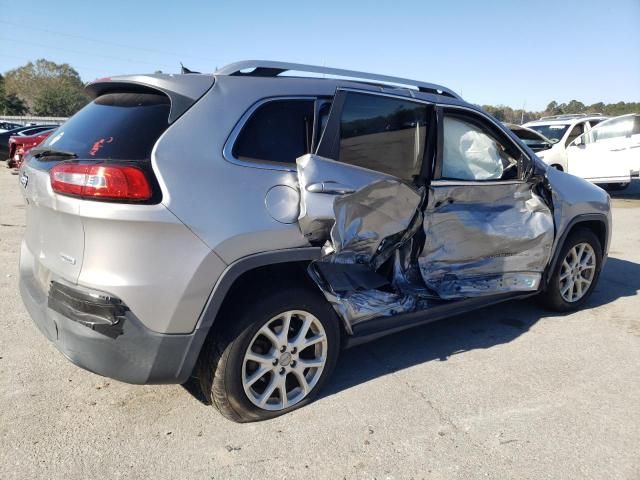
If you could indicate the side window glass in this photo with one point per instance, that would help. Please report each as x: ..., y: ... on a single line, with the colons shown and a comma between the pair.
x: 383, y: 134
x: 618, y: 128
x: 472, y: 153
x: 575, y: 132
x: 278, y: 131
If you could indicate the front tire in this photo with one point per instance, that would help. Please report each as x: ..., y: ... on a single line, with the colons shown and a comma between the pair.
x: 576, y: 273
x: 273, y: 358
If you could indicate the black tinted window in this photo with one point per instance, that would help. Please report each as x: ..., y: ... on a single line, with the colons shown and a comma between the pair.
x: 278, y: 131
x: 123, y: 126
x: 384, y: 134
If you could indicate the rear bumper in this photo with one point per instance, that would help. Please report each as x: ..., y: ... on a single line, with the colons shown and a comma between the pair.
x: 128, y: 352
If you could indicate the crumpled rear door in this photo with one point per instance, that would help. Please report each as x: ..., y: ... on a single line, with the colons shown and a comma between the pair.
x: 321, y: 181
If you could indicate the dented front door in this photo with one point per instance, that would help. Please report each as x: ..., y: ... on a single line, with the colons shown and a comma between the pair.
x: 487, y: 230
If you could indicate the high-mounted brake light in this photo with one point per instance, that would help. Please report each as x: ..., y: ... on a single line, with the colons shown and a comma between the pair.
x: 112, y: 182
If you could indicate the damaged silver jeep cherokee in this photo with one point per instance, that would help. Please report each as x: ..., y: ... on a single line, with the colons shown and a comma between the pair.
x: 243, y: 227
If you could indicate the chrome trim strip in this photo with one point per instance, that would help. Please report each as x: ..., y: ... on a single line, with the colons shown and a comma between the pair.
x: 400, y: 95
x: 452, y: 183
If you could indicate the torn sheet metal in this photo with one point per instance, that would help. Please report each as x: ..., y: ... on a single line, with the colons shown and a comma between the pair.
x: 321, y: 179
x: 371, y: 222
x: 357, y: 307
x: 486, y: 244
x: 374, y: 227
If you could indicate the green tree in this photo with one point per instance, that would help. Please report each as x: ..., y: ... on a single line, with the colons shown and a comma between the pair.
x: 47, y: 88
x: 552, y: 109
x: 574, y: 106
x: 10, y: 104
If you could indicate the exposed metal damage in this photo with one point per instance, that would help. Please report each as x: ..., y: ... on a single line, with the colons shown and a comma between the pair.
x: 396, y: 248
x: 458, y: 261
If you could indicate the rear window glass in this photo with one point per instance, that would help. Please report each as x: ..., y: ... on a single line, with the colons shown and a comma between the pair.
x: 120, y: 126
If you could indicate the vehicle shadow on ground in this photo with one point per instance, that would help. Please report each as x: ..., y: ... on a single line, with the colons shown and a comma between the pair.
x: 482, y: 329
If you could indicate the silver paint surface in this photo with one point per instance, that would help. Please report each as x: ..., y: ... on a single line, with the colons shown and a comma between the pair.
x: 282, y: 202
x: 483, y: 240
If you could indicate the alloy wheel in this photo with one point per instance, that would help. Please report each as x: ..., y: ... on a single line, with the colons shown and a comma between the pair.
x: 577, y: 272
x: 284, y: 360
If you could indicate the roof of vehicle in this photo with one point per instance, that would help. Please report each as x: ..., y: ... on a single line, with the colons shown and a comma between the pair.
x: 267, y: 68
x: 185, y: 89
x: 565, y: 119
x: 567, y: 116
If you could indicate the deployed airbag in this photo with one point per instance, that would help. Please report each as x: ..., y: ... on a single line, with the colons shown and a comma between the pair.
x: 469, y: 153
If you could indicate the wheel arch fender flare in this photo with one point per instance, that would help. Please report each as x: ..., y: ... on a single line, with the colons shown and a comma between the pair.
x: 587, y: 219
x: 243, y: 265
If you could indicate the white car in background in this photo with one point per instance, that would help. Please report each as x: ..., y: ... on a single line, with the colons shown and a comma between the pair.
x: 562, y: 130
x: 609, y: 153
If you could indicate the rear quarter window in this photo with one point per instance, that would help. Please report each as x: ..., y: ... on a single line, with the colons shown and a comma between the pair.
x: 120, y: 126
x: 278, y: 131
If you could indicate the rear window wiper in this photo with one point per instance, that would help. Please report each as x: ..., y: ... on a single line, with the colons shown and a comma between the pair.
x: 54, y: 153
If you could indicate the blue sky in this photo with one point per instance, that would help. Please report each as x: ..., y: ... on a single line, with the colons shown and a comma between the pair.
x: 500, y: 52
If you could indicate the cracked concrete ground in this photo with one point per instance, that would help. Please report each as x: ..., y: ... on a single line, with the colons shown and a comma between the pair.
x: 505, y: 392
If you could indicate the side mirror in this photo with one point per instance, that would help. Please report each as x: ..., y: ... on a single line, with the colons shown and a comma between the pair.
x: 578, y: 141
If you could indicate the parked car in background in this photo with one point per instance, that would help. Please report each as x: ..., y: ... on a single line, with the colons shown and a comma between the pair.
x: 532, y: 139
x: 20, y: 131
x: 609, y: 153
x: 175, y: 226
x: 19, y: 146
x: 562, y: 130
x: 6, y: 126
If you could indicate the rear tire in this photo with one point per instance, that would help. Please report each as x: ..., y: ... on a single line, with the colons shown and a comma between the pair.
x: 235, y: 384
x: 576, y: 273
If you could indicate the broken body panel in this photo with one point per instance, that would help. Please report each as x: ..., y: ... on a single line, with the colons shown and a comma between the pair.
x: 396, y: 248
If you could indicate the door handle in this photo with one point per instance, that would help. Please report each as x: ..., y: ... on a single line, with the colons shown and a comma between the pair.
x: 617, y: 149
x: 634, y: 146
x: 331, y: 188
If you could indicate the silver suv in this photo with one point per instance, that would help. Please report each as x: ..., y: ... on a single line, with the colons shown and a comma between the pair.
x: 244, y: 227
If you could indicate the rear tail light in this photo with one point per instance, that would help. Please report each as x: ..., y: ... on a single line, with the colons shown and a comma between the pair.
x: 111, y: 182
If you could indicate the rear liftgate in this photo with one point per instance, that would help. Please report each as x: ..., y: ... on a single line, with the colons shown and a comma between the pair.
x: 393, y: 248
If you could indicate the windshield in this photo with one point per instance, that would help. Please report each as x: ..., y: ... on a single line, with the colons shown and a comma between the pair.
x: 552, y: 132
x: 120, y: 126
